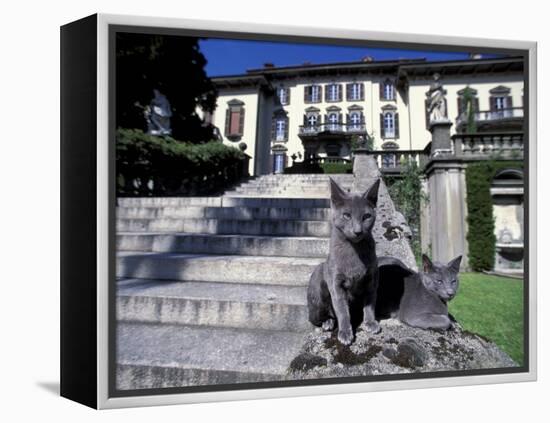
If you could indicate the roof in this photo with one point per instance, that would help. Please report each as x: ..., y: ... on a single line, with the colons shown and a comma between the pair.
x: 403, y: 69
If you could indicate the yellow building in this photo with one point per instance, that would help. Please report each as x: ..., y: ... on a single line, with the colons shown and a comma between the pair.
x: 311, y: 112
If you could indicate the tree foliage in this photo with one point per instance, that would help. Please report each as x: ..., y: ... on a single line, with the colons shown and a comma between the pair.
x: 175, y: 66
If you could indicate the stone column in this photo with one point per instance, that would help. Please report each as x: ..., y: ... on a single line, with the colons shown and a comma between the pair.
x: 446, y: 187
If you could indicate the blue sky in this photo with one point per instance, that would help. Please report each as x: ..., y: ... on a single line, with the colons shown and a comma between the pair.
x: 231, y: 57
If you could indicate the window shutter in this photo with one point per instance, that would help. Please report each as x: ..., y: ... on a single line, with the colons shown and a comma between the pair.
x: 460, y: 104
x: 348, y: 120
x: 362, y: 118
x: 348, y: 91
x: 396, y: 124
x: 361, y: 91
x: 509, y: 104
x: 241, y: 121
x: 326, y: 118
x: 340, y: 118
x: 339, y: 90
x: 320, y: 93
x: 227, y: 120
x: 476, y: 104
x: 286, y: 129
x: 273, y: 128
x: 305, y: 120
x: 327, y: 91
x: 285, y: 160
x: 382, y: 129
x: 381, y: 89
x: 287, y: 90
x: 492, y: 104
x: 271, y: 163
x: 306, y: 94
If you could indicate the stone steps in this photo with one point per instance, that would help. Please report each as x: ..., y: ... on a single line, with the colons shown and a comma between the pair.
x: 227, y: 226
x: 260, y: 270
x: 225, y: 201
x: 237, y: 213
x: 162, y: 355
x: 266, y: 307
x: 224, y: 244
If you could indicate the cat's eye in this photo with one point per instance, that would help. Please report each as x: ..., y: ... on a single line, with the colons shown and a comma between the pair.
x: 453, y: 281
x: 346, y: 216
x: 367, y: 216
x: 439, y: 282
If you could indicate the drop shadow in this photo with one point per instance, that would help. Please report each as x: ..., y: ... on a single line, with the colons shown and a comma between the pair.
x: 51, y: 387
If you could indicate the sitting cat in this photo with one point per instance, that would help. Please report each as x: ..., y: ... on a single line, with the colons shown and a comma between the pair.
x: 342, y: 290
x: 425, y: 297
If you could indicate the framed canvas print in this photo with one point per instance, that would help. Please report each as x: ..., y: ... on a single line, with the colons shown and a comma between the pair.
x: 255, y: 211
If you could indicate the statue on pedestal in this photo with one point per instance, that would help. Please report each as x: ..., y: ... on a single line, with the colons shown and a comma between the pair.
x: 158, y: 114
x: 436, y: 104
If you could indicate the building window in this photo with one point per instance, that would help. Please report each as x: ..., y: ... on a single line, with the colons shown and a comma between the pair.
x: 279, y: 128
x: 312, y: 94
x: 387, y: 90
x: 355, y: 121
x: 279, y: 162
x: 234, y: 120
x: 501, y: 106
x: 355, y: 91
x: 333, y: 120
x: 389, y: 124
x: 333, y: 92
x: 284, y: 95
x: 312, y: 120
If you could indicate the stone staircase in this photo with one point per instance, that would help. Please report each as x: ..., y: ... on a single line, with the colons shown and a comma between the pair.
x: 212, y: 290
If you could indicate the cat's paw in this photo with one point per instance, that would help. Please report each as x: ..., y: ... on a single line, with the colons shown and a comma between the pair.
x: 328, y: 325
x: 345, y: 336
x: 372, y: 327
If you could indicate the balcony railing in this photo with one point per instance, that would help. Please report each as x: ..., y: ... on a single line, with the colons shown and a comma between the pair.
x: 487, y: 145
x: 350, y: 128
x: 390, y: 161
x: 492, y: 115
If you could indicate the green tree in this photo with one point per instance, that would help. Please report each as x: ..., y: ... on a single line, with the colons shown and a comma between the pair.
x: 175, y: 66
x: 468, y: 101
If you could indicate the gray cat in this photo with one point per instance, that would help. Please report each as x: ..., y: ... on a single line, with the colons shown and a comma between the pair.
x: 342, y: 290
x: 425, y: 297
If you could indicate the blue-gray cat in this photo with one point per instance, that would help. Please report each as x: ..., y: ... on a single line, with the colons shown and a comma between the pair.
x: 425, y: 297
x: 342, y: 290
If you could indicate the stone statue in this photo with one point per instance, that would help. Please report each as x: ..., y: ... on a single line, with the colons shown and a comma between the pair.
x: 436, y: 100
x: 158, y: 114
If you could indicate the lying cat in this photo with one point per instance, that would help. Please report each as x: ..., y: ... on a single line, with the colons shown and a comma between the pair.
x: 342, y: 290
x: 425, y: 297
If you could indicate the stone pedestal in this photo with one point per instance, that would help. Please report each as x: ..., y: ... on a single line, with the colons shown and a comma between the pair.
x: 441, y: 137
x: 447, y: 211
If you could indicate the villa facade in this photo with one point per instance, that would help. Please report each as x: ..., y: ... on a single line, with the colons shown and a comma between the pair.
x: 290, y: 114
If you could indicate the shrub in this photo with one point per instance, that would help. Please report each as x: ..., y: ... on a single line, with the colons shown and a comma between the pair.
x: 331, y: 168
x: 151, y: 165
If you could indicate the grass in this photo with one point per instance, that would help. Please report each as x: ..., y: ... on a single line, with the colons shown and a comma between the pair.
x: 492, y: 306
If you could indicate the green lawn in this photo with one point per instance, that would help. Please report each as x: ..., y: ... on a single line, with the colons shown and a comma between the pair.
x: 492, y: 306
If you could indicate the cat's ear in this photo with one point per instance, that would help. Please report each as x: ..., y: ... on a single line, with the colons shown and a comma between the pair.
x: 454, y: 264
x: 371, y: 195
x: 337, y: 195
x: 427, y: 264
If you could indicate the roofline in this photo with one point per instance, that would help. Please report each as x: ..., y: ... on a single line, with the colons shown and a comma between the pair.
x: 399, y: 66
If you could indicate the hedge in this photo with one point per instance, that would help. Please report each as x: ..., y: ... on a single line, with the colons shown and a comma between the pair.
x: 481, y: 225
x: 163, y: 166
x: 332, y: 168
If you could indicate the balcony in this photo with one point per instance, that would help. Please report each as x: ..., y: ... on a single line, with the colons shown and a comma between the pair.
x: 332, y: 128
x: 493, y: 120
x: 483, y: 146
x: 390, y: 161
